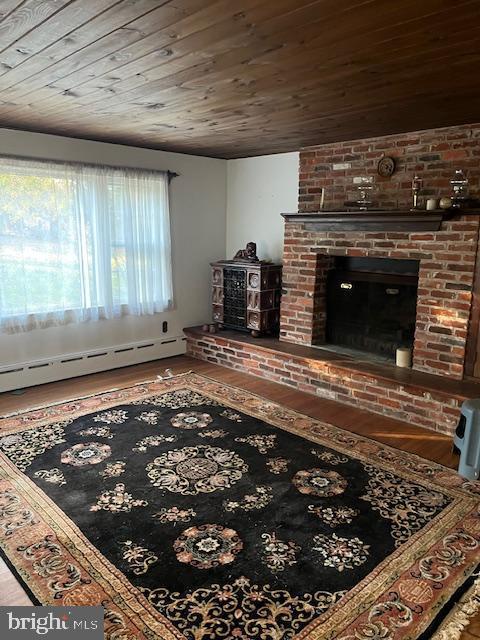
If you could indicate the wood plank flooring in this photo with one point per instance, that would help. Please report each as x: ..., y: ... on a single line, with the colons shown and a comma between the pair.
x: 430, y: 445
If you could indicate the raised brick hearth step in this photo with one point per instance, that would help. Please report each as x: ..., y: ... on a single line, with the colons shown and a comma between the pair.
x: 418, y: 398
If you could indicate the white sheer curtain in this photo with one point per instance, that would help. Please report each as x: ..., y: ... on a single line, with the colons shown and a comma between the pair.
x: 81, y: 242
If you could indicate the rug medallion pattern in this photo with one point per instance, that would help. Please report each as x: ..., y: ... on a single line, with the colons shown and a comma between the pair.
x: 190, y: 509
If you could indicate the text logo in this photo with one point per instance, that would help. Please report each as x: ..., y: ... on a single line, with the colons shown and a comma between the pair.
x: 25, y: 623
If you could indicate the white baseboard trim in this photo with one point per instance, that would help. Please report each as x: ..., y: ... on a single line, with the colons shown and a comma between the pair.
x: 27, y: 374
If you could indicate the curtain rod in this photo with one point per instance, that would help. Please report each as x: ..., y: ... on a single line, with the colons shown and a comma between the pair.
x: 170, y: 174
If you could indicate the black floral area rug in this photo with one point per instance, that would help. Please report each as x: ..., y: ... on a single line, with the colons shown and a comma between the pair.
x: 191, y: 509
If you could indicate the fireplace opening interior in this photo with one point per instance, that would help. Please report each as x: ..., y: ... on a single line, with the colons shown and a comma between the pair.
x: 371, y: 305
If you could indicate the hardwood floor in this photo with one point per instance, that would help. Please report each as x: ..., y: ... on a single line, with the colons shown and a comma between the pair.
x: 430, y: 445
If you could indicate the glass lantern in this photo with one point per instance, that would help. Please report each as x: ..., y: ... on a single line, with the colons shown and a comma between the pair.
x: 459, y: 188
x: 365, y: 188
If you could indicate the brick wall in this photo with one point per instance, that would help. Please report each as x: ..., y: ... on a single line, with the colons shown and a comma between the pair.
x: 433, y: 154
x: 433, y: 410
x: 447, y: 258
x: 447, y: 265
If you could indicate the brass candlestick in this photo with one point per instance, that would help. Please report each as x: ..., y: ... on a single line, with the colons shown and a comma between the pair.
x: 417, y: 184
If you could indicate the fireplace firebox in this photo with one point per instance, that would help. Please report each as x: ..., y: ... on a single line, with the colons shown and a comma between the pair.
x: 371, y: 304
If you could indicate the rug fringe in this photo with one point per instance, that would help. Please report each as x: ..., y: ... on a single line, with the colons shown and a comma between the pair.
x: 460, y: 617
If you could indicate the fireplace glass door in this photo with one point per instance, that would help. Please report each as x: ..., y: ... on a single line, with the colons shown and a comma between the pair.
x: 372, y: 306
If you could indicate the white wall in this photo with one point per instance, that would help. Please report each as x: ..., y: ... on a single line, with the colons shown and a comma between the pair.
x: 205, y: 221
x: 198, y: 201
x: 258, y: 191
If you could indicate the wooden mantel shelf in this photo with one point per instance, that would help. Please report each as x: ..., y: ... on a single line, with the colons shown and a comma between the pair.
x: 376, y: 220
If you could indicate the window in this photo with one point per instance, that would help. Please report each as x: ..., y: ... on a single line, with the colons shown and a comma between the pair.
x: 81, y: 242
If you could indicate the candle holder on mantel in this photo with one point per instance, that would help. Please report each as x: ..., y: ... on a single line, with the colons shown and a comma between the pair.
x: 459, y: 184
x: 322, y: 198
x: 417, y: 184
x: 365, y: 188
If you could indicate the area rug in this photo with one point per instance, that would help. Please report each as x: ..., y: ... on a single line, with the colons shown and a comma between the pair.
x: 192, y: 509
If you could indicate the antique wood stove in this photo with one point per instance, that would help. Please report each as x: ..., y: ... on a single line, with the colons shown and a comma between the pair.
x: 246, y: 295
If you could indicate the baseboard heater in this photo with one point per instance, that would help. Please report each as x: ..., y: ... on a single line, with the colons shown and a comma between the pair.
x: 27, y: 374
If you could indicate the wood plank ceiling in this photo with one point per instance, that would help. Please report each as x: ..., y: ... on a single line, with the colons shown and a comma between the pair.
x: 233, y: 78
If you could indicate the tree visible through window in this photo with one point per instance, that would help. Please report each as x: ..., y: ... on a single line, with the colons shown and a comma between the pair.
x: 79, y: 242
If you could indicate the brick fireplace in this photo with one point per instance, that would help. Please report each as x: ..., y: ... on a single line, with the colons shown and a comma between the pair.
x: 447, y: 257
x: 430, y: 393
x: 445, y: 279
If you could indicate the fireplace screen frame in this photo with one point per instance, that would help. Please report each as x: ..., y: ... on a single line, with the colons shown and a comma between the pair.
x: 371, y: 304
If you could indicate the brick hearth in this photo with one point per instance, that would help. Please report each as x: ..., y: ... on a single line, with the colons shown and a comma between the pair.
x: 418, y: 398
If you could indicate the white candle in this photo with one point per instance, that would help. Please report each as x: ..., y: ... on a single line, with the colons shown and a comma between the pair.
x: 404, y: 357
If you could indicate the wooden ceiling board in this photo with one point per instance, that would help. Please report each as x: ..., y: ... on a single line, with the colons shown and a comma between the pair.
x: 83, y: 46
x: 232, y: 79
x: 242, y: 56
x: 69, y: 99
x: 150, y: 52
x: 47, y: 33
x: 37, y: 101
x: 167, y: 52
x: 27, y: 16
x: 7, y: 6
x: 207, y: 45
x: 400, y: 69
x: 397, y: 64
x: 152, y: 33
